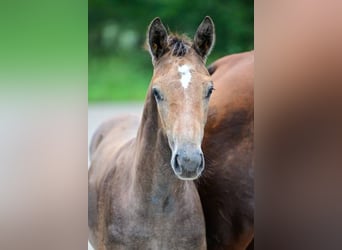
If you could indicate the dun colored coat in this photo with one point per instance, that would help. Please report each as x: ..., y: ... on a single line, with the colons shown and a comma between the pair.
x: 141, y: 189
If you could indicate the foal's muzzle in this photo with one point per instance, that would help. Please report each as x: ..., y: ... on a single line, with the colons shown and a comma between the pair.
x: 188, y: 163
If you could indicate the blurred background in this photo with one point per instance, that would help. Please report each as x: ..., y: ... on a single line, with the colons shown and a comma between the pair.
x: 119, y: 67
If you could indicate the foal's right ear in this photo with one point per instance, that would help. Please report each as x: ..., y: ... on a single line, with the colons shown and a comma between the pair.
x: 157, y: 39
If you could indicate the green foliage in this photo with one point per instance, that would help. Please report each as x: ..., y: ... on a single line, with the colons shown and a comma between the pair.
x: 119, y: 69
x: 117, y: 78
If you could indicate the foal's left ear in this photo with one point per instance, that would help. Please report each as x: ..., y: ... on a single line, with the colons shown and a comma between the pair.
x: 205, y: 37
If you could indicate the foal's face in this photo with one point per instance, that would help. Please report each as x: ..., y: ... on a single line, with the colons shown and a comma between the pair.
x: 182, y: 87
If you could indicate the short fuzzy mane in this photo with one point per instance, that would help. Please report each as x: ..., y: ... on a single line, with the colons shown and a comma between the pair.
x: 179, y: 45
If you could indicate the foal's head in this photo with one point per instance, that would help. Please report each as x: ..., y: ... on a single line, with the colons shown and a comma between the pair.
x: 182, y: 87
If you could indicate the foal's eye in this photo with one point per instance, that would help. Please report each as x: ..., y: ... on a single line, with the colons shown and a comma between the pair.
x: 157, y: 94
x: 210, y: 91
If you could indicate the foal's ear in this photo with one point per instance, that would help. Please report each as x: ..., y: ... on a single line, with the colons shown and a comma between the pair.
x: 157, y: 39
x: 205, y: 37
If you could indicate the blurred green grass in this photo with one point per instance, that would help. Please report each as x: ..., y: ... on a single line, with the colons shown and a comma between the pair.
x: 119, y: 78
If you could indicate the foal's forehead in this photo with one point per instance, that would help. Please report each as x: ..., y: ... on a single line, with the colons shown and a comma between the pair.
x: 183, y: 69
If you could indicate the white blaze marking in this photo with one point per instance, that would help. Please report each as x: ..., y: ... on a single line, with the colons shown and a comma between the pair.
x: 184, y: 70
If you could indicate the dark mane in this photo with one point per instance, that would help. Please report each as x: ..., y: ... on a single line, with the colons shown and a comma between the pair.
x: 178, y: 45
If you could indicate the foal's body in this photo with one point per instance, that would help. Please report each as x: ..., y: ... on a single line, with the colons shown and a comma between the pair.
x: 226, y: 188
x: 135, y: 200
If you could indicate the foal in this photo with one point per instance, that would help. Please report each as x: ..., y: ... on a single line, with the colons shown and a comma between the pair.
x: 141, y: 193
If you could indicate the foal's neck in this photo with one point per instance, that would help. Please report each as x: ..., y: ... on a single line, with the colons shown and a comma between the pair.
x: 154, y: 175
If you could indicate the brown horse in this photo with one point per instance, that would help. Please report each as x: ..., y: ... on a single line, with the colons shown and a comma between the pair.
x: 226, y: 187
x: 141, y: 189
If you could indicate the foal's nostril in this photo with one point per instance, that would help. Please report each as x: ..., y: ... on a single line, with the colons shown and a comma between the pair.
x: 201, y: 166
x: 176, y: 158
x: 177, y: 165
x: 202, y: 159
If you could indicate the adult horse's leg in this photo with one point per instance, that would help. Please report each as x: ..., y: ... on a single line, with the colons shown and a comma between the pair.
x: 245, y: 241
x: 251, y: 245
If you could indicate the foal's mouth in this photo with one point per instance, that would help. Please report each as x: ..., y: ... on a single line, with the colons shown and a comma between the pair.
x: 188, y: 176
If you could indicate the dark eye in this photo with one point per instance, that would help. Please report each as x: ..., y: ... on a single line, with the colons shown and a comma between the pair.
x: 157, y: 94
x: 210, y: 91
